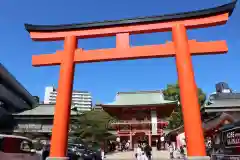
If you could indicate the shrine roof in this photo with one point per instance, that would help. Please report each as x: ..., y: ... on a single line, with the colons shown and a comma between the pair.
x: 227, y: 8
x: 220, y: 101
x: 225, y: 103
x: 41, y: 110
x: 139, y: 98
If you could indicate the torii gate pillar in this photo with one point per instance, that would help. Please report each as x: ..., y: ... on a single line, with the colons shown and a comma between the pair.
x: 64, y: 97
x: 188, y: 91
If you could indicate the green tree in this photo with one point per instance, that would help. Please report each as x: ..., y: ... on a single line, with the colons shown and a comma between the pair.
x: 172, y: 92
x: 92, y: 126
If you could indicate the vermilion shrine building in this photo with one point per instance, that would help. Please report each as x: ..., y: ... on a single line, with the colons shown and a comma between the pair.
x: 141, y: 115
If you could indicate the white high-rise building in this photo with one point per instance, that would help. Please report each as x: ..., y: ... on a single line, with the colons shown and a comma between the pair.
x: 81, y: 100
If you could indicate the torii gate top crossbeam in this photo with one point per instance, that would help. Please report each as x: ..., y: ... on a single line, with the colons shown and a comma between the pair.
x: 123, y: 28
x: 195, y: 19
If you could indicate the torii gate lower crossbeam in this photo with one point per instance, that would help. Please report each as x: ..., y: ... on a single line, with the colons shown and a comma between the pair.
x: 181, y: 48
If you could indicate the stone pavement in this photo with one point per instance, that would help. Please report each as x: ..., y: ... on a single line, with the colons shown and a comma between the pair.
x: 129, y: 155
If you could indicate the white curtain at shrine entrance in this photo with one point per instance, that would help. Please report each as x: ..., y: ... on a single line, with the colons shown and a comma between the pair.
x: 154, y: 122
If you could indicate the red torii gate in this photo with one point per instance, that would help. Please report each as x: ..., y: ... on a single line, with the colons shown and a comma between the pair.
x: 181, y: 48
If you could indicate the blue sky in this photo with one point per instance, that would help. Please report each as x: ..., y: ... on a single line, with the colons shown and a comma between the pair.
x: 103, y: 80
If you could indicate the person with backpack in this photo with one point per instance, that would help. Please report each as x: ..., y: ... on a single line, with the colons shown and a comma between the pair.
x: 148, y: 151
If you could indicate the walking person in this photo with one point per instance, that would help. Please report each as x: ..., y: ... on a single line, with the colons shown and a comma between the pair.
x: 102, y: 154
x: 45, y: 152
x: 123, y: 145
x: 183, y: 152
x: 102, y: 151
x: 127, y: 146
x: 171, y: 150
x: 139, y: 152
x: 148, y: 151
x: 162, y: 142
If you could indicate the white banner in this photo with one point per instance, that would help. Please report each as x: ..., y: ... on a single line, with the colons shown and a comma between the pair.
x: 154, y: 122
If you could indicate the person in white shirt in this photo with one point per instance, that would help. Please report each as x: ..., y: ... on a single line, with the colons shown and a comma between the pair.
x: 127, y: 146
x: 139, y: 153
x: 171, y: 149
x: 102, y: 155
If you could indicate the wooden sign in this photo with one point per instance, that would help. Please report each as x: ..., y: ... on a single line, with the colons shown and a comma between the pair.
x: 231, y: 138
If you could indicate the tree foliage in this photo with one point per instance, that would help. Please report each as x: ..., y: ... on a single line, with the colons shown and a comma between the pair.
x: 172, y: 92
x: 92, y: 126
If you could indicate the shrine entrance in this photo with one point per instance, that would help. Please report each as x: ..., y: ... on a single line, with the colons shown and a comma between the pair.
x: 140, y: 137
x: 181, y: 48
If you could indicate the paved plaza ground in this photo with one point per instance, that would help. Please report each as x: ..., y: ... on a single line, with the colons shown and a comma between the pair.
x: 129, y: 155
